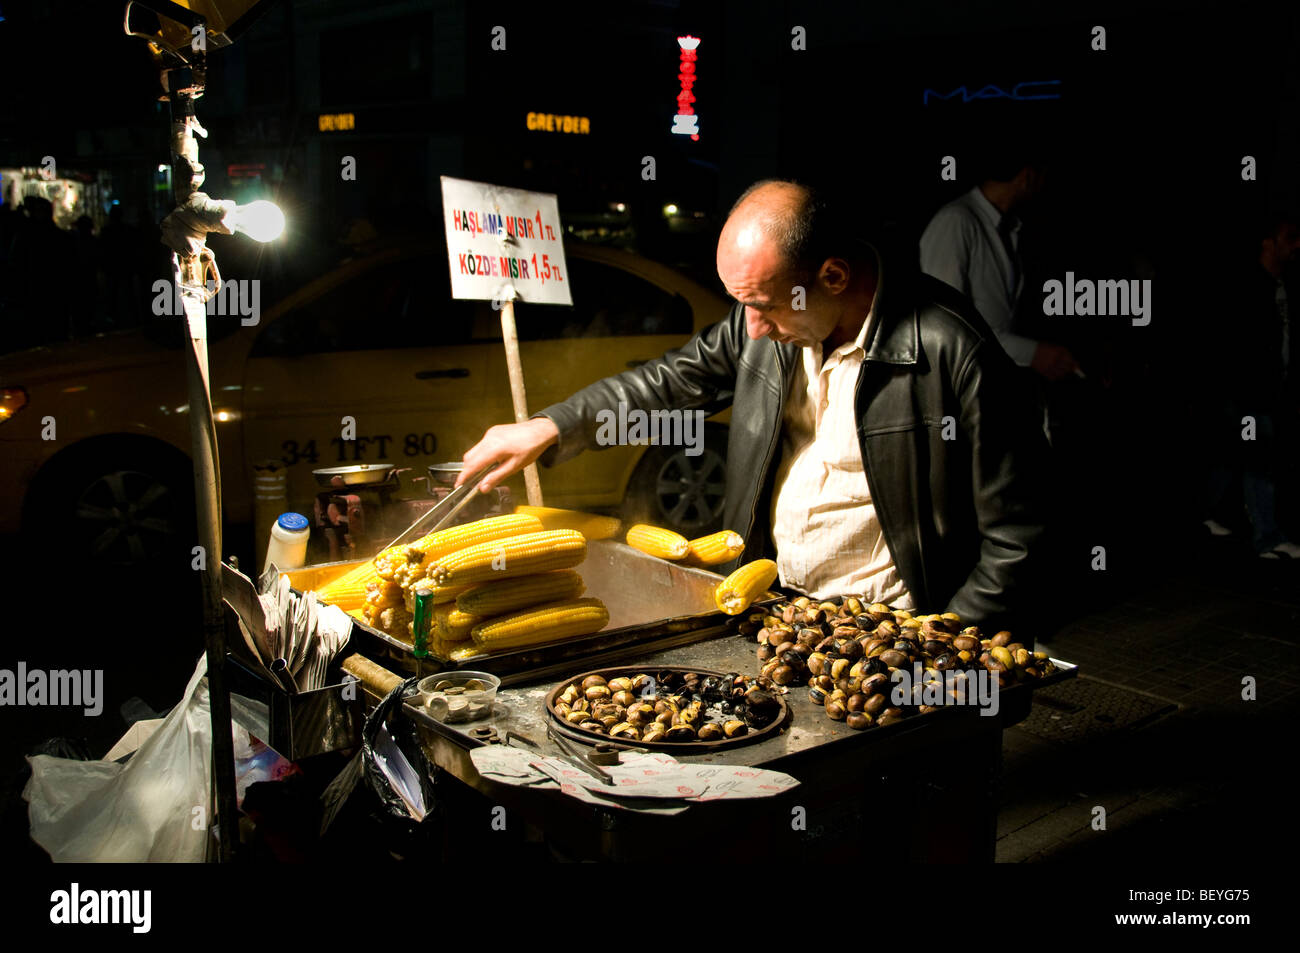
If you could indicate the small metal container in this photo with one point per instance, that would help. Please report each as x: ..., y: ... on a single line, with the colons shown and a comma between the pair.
x: 444, y: 474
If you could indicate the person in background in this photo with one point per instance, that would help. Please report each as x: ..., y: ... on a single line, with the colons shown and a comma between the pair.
x: 1257, y: 305
x: 973, y: 244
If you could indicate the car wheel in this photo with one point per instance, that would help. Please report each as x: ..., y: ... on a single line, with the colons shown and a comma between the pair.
x: 124, y: 506
x: 680, y: 492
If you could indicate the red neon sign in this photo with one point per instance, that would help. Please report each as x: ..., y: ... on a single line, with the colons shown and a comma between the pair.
x: 686, y: 123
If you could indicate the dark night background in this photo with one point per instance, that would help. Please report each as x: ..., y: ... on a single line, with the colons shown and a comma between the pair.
x: 1147, y: 139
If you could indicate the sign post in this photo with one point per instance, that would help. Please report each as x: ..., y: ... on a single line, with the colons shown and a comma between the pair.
x: 504, y: 244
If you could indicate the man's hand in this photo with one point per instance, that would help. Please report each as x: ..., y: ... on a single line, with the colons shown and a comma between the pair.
x: 1053, y: 361
x: 511, y: 447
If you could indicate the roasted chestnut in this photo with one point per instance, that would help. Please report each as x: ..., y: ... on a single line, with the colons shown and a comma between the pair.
x: 761, y: 707
x: 965, y: 643
x: 817, y: 695
x: 624, y: 698
x: 876, y: 704
x: 893, y: 658
x: 709, y: 732
x: 625, y: 730
x: 875, y: 684
x: 840, y: 668
x: 642, y: 683
x: 621, y: 684
x: 592, y: 680
x: 856, y: 702
x: 640, y: 714
x: 596, y: 726
x: 890, y: 716
x: 858, y: 720
x: 851, y: 649
x: 653, y: 732
x: 1001, y: 638
x: 680, y: 733
x: 783, y: 674
x: 597, y: 692
x: 946, y: 661
x: 577, y: 717
x: 835, y: 710
x: 665, y: 718
x: 734, y: 728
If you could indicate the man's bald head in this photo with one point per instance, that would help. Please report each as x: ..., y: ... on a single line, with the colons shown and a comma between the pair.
x: 784, y: 254
x: 771, y: 219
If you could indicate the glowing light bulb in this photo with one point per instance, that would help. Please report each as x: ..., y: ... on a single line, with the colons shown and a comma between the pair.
x: 262, y: 221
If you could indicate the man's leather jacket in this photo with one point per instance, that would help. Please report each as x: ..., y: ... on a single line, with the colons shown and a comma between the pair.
x: 951, y: 438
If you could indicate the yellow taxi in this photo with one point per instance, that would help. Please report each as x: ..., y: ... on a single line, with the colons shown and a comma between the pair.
x: 96, y: 432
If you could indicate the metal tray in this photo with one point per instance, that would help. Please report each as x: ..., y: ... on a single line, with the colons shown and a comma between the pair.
x: 681, y: 747
x: 653, y: 604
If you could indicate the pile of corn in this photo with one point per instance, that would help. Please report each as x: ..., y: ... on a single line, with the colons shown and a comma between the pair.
x: 497, y: 584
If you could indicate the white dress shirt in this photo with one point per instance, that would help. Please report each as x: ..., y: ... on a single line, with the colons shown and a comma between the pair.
x: 962, y: 247
x: 828, y: 539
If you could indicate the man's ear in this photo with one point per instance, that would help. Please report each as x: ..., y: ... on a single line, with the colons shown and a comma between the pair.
x: 834, y: 275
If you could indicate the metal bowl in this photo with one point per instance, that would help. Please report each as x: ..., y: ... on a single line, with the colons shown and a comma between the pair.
x: 363, y: 474
x: 445, y: 474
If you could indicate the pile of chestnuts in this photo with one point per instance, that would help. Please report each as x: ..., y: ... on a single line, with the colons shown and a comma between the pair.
x: 846, y: 651
x: 669, y: 706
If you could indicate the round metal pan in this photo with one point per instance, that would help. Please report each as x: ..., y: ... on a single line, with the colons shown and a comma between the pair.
x: 681, y: 747
x: 363, y: 474
x: 444, y: 474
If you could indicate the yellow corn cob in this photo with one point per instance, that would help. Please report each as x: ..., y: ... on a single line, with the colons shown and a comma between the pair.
x: 511, y: 557
x: 466, y: 651
x: 441, y: 594
x: 349, y: 590
x: 495, y: 598
x: 406, y: 560
x: 737, y: 591
x: 444, y: 628
x: 458, y: 621
x: 545, y: 623
x: 382, y: 599
x: 589, y: 525
x: 663, y: 543
x: 717, y: 548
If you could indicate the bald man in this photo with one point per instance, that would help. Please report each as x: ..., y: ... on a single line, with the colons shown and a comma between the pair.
x: 881, y: 443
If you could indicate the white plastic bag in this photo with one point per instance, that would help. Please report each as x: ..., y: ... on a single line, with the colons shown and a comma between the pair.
x: 156, y: 807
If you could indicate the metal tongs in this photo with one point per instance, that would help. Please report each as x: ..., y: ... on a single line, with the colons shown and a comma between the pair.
x: 457, y: 500
x: 448, y: 506
x: 574, y: 758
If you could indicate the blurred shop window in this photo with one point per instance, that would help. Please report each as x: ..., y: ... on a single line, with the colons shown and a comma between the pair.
x: 607, y: 302
x: 384, y: 308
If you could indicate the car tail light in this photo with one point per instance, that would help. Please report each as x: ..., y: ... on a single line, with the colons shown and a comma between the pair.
x: 12, y: 400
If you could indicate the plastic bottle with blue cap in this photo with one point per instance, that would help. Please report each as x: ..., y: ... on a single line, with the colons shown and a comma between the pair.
x: 287, y: 547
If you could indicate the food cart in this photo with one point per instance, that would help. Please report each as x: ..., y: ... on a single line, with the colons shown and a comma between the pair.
x: 928, y: 781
